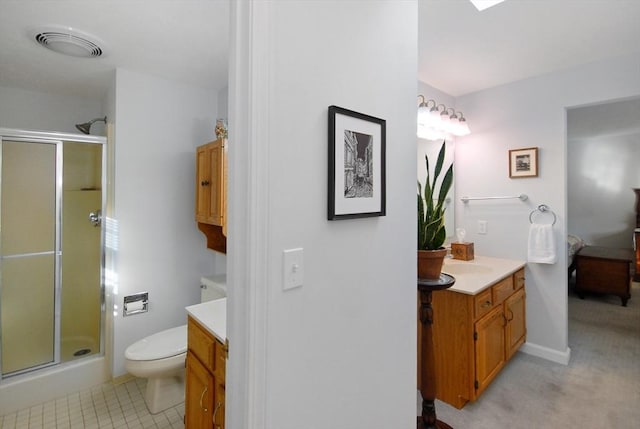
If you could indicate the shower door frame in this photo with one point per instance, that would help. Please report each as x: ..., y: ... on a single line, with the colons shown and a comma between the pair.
x: 58, y: 139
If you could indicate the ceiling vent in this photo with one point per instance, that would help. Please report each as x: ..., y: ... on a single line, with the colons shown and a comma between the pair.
x: 69, y: 41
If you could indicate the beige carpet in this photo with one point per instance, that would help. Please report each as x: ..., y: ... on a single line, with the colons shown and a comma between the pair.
x: 599, y: 388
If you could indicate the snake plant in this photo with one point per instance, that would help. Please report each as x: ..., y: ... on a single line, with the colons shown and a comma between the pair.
x: 431, y: 229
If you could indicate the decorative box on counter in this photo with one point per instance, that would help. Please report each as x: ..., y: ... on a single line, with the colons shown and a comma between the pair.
x: 463, y: 251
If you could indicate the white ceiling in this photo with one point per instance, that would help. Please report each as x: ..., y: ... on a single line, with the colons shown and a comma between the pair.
x: 462, y: 50
x: 185, y: 40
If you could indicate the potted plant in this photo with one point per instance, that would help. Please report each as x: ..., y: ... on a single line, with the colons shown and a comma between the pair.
x: 431, y: 229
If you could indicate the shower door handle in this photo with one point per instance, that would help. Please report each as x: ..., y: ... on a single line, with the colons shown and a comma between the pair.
x: 95, y: 218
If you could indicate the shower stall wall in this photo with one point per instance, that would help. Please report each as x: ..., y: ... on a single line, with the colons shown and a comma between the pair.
x: 51, y: 255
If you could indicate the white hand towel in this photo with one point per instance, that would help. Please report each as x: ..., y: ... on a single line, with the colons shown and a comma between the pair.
x: 542, y: 244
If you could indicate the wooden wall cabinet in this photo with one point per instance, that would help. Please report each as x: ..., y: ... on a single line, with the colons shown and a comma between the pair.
x: 475, y: 335
x: 205, y: 379
x: 211, y: 193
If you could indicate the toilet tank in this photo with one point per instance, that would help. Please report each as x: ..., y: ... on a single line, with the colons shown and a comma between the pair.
x: 213, y: 287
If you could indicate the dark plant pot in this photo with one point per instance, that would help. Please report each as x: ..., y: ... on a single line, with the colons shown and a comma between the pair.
x: 430, y: 263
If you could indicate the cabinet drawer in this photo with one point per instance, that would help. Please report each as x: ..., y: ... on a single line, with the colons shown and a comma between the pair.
x: 202, y: 344
x: 483, y: 302
x: 502, y: 290
x: 518, y: 279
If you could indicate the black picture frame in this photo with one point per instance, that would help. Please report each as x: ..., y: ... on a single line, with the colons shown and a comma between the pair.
x: 357, y: 165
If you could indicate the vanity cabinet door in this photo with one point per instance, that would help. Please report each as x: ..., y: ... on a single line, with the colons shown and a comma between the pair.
x: 489, y: 347
x: 516, y: 329
x: 205, y: 379
x: 218, y: 410
x: 199, y: 395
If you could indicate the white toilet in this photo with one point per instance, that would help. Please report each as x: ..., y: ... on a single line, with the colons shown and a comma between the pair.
x: 160, y: 357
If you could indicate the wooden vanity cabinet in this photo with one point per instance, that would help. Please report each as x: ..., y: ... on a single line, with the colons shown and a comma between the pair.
x: 205, y: 379
x: 475, y: 335
x: 211, y: 193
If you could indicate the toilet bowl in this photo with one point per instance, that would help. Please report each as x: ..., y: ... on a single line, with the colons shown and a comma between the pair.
x: 160, y: 358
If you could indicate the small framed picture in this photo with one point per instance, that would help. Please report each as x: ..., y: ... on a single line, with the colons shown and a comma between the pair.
x: 523, y: 162
x: 356, y: 185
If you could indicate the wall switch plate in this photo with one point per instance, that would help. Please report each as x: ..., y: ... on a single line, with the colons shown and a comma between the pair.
x: 292, y: 268
x: 482, y: 227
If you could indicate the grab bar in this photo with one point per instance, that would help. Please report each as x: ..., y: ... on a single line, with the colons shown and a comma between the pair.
x: 521, y: 197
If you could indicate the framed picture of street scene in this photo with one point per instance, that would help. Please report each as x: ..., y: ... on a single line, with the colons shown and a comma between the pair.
x: 356, y: 165
x: 523, y: 162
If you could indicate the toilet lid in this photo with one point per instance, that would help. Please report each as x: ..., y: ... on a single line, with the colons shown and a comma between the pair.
x: 161, y: 345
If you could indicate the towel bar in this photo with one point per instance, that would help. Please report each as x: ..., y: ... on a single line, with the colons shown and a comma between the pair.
x: 521, y: 197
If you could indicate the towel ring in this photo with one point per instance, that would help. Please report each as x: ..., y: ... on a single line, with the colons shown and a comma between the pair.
x: 543, y: 208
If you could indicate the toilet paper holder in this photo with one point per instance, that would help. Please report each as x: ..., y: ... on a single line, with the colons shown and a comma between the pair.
x: 134, y: 304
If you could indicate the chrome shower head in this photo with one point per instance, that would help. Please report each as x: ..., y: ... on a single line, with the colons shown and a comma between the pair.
x: 86, y: 127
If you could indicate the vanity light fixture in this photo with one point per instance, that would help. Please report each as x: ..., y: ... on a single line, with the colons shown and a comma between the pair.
x: 437, y: 121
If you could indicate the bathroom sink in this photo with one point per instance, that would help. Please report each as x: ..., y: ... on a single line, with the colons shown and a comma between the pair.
x: 465, y: 268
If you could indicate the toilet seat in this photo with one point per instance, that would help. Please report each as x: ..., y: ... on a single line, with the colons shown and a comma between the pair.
x: 161, y: 345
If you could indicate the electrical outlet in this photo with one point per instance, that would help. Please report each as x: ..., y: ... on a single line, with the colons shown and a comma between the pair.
x: 482, y: 227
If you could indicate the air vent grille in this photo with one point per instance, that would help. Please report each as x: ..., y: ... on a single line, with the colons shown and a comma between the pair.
x: 69, y: 42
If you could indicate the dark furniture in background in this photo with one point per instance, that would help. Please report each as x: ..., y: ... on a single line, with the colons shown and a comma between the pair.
x: 636, y: 237
x: 604, y: 270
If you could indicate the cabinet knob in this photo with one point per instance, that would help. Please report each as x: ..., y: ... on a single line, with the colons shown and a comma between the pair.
x: 204, y: 183
x: 486, y: 304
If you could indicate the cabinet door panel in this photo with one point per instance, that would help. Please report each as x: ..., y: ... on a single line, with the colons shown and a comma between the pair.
x: 218, y: 411
x: 203, y: 182
x: 216, y: 198
x: 199, y: 395
x: 516, y: 329
x: 489, y: 347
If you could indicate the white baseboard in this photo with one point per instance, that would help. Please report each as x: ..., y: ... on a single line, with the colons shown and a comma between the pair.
x: 547, y: 353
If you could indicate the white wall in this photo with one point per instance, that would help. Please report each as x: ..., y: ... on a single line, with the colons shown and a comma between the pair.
x: 223, y: 102
x: 38, y: 111
x: 603, y: 149
x: 339, y: 352
x: 158, y: 124
x: 525, y: 114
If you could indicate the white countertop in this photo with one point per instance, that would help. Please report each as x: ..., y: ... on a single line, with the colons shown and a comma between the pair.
x: 212, y: 315
x: 472, y: 277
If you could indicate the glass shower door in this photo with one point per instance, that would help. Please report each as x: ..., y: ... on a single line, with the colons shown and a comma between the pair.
x: 29, y: 248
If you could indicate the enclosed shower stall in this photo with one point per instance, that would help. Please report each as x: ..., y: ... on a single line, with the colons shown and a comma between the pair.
x: 51, y: 249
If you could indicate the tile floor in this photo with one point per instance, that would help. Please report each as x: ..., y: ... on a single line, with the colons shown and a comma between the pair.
x: 102, y: 407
